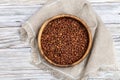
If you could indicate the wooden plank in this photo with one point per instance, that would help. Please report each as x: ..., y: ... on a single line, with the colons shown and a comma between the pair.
x: 22, y: 2
x: 17, y: 15
x: 34, y: 2
x: 109, y: 12
x: 9, y: 38
x: 16, y: 66
x: 18, y: 10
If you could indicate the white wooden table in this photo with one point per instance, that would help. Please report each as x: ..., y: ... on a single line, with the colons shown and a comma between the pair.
x: 14, y: 55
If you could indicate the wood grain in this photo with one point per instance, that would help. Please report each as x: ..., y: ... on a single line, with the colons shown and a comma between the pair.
x: 15, y: 55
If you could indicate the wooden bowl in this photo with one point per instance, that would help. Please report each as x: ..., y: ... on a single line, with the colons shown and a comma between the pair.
x: 60, y: 16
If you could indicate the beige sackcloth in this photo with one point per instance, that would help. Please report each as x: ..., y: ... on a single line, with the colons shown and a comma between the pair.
x: 101, y: 55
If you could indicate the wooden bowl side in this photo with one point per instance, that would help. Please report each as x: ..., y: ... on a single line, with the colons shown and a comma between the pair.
x: 59, y: 16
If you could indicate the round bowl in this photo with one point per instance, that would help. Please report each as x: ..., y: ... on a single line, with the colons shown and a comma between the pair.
x: 61, y: 16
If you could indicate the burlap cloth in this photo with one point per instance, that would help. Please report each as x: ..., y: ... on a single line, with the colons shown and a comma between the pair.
x: 101, y: 54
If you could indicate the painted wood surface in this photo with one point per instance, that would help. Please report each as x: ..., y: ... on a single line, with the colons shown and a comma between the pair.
x: 15, y: 55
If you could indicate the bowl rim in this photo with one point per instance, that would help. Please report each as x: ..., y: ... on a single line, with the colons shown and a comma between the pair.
x: 59, y: 16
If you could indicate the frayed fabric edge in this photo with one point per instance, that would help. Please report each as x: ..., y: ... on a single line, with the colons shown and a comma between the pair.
x: 23, y: 34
